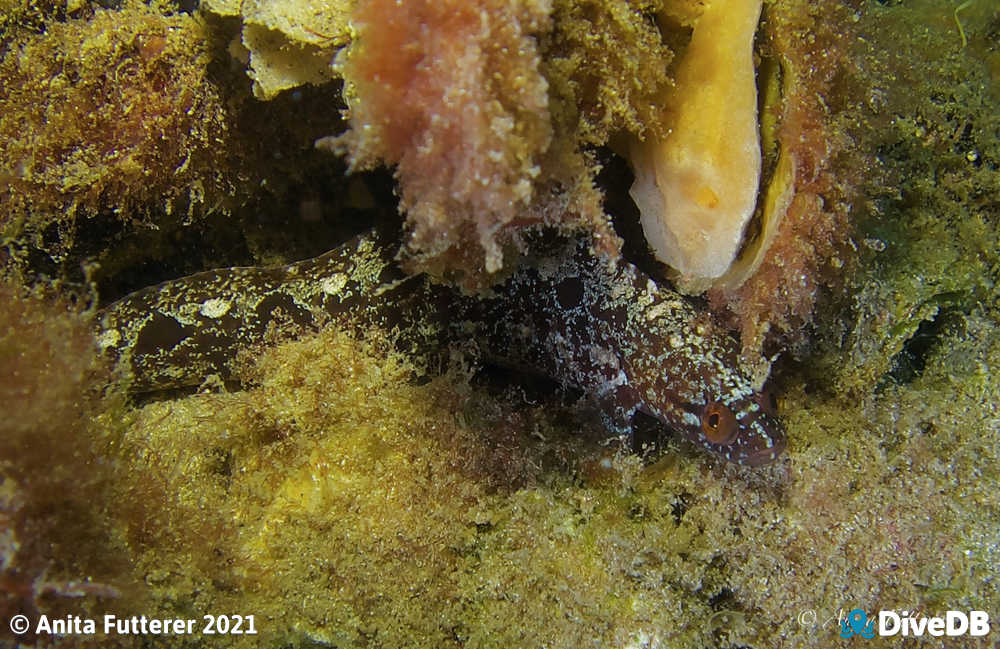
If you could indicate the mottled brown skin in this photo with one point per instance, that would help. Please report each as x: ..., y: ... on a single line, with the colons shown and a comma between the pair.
x: 604, y: 328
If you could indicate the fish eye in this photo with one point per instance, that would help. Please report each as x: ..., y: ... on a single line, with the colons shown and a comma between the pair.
x: 718, y: 424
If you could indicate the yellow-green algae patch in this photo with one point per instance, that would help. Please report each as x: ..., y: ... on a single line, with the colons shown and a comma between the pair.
x: 342, y: 505
x: 928, y: 219
x: 59, y: 552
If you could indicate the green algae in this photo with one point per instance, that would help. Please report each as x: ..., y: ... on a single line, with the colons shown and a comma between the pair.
x: 928, y: 229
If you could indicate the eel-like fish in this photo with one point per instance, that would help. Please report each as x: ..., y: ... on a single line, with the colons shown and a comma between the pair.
x: 605, y: 328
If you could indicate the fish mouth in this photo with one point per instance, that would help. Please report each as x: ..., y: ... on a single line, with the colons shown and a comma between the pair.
x: 763, y: 456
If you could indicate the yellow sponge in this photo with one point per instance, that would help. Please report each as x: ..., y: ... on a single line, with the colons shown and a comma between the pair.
x: 697, y: 187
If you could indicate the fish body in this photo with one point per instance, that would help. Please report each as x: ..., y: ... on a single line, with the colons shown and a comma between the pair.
x: 605, y: 328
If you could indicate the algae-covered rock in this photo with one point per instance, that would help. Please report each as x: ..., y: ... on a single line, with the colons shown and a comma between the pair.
x: 290, y: 43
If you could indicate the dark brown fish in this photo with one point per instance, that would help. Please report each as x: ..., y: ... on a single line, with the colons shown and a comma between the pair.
x: 607, y: 329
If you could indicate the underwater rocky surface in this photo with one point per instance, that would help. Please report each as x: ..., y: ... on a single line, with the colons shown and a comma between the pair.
x: 342, y: 503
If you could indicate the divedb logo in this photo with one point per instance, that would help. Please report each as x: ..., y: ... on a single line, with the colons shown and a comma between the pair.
x: 891, y: 623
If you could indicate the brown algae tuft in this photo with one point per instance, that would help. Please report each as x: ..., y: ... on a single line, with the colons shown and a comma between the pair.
x: 113, y: 113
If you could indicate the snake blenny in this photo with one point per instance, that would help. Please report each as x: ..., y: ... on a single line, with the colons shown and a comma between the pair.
x: 605, y: 328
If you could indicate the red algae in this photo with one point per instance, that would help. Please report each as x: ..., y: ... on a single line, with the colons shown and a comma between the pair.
x: 465, y: 117
x: 483, y: 108
x: 489, y: 112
